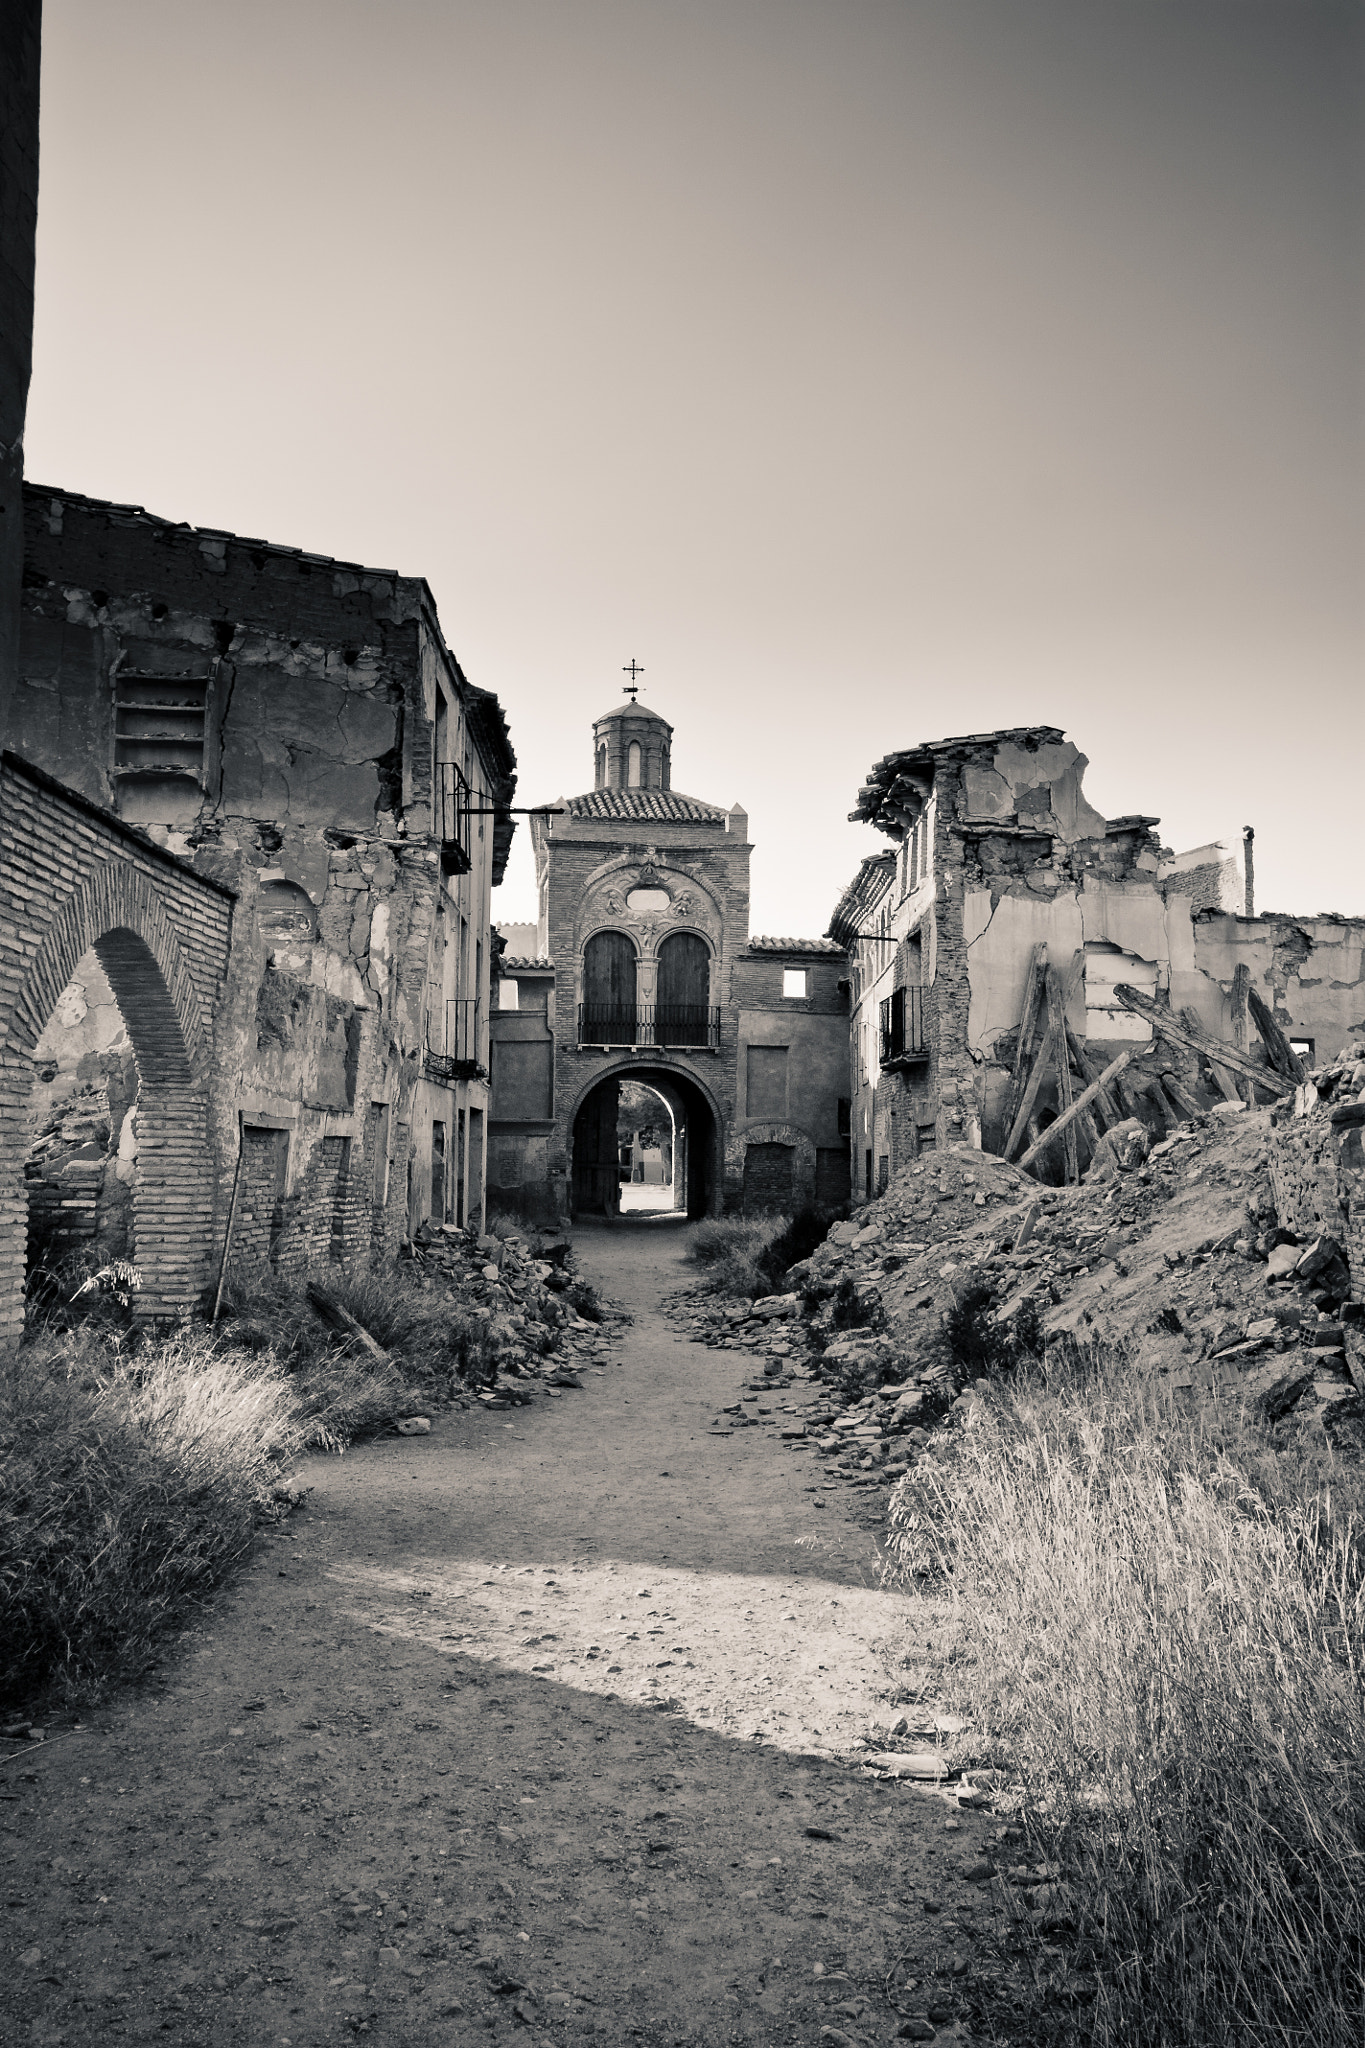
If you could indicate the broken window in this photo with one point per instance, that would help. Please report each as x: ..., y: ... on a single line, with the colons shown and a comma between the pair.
x: 438, y: 1172
x: 160, y: 725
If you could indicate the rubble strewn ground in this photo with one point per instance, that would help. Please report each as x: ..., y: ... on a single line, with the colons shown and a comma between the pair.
x: 1182, y: 1259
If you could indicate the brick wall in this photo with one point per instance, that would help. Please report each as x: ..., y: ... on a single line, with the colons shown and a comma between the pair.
x: 74, y: 878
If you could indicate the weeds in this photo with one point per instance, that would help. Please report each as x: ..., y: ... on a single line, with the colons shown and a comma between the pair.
x: 731, y: 1251
x: 979, y: 1346
x: 1167, y: 1617
x: 129, y: 1487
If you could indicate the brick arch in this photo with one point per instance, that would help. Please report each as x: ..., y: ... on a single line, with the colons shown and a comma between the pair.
x: 117, y: 914
x: 74, y: 878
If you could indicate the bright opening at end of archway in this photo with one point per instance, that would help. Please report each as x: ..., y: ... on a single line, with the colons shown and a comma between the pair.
x: 803, y: 1664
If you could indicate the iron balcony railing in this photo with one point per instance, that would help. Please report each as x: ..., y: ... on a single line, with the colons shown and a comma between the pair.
x: 680, y: 1026
x: 903, y: 1028
x: 453, y: 822
x: 459, y: 1055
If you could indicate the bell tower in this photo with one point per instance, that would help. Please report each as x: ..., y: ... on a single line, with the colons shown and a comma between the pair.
x: 632, y: 749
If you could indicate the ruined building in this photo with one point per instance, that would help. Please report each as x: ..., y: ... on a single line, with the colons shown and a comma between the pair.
x: 248, y: 916
x: 643, y: 970
x: 999, y: 868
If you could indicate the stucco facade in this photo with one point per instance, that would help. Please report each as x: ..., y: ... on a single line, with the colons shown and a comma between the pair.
x: 997, y: 853
x: 296, y: 730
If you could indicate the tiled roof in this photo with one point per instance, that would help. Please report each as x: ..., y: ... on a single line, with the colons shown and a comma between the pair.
x: 665, y: 806
x: 794, y: 946
x: 508, y: 961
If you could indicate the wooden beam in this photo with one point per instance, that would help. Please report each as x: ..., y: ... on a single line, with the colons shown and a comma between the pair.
x: 1029, y: 1020
x: 1241, y: 1034
x: 1283, y: 1057
x: 1056, y: 1021
x: 1059, y: 1129
x: 1030, y: 1096
x: 1231, y: 1092
x: 1199, y: 1041
x: 1185, y: 1103
x: 1088, y: 1069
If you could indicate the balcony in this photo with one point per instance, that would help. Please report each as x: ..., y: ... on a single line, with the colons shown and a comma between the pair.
x: 457, y: 1057
x: 902, y: 1033
x: 452, y: 821
x: 681, y: 1027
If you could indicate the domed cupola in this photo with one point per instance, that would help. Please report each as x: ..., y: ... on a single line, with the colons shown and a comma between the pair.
x: 631, y: 749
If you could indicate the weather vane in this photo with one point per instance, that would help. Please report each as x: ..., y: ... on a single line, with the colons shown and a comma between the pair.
x: 632, y: 689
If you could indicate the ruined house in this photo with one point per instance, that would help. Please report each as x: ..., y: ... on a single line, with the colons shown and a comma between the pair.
x: 642, y: 969
x: 291, y: 737
x: 998, y: 868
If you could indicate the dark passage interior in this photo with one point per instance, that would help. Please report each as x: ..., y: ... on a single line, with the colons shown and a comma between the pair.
x: 597, y: 1169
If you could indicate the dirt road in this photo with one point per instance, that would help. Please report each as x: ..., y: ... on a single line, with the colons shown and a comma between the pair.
x: 538, y: 1725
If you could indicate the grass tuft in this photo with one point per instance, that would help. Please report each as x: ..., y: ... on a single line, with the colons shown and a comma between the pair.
x: 129, y: 1485
x: 1163, y: 1620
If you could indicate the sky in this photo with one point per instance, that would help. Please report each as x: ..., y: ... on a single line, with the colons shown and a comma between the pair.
x: 868, y: 370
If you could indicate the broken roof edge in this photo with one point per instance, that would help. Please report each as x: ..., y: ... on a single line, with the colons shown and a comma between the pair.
x: 918, y: 763
x: 825, y: 947
x: 859, y: 894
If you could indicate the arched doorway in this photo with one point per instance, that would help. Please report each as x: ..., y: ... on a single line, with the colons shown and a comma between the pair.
x: 596, y: 1170
x: 682, y: 1011
x: 118, y: 917
x: 609, y: 1011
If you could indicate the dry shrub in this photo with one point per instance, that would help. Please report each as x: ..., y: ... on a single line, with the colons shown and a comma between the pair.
x: 730, y: 1250
x: 1167, y: 1617
x: 128, y: 1487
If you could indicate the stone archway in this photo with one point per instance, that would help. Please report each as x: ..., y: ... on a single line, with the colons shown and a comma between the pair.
x: 594, y: 1114
x: 74, y: 879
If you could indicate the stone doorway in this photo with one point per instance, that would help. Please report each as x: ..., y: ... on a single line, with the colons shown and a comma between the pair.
x: 596, y: 1182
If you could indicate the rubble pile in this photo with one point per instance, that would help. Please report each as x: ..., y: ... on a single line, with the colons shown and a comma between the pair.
x: 523, y: 1292
x: 1221, y: 1256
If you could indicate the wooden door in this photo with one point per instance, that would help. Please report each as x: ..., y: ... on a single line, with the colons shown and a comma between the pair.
x: 682, y: 1014
x: 596, y: 1159
x: 609, y: 1011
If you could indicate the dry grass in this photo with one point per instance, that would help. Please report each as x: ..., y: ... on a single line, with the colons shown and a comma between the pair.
x: 730, y: 1249
x: 1167, y: 1618
x: 128, y: 1487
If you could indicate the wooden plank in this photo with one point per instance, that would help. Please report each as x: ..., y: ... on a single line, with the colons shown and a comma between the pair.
x: 1198, y: 1041
x: 1028, y: 1030
x: 1056, y: 1019
x: 344, y: 1323
x: 1058, y: 1130
x: 1030, y: 1095
x: 1088, y: 1069
x: 1231, y: 1092
x: 1283, y: 1057
x: 1185, y: 1103
x: 1241, y: 1035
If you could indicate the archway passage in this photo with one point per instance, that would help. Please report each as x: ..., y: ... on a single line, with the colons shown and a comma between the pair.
x: 645, y: 1139
x: 596, y: 1175
x: 75, y: 880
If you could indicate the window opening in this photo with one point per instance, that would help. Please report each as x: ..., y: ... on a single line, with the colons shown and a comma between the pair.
x: 633, y: 765
x: 793, y: 981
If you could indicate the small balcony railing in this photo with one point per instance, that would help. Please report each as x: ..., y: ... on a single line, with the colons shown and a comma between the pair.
x: 679, y: 1026
x: 452, y: 820
x: 902, y: 1021
x: 458, y: 1056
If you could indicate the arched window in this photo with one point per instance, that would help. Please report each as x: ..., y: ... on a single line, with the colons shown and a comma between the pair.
x: 682, y: 1015
x: 633, y: 766
x: 609, y: 1014
x: 602, y: 766
x: 665, y: 770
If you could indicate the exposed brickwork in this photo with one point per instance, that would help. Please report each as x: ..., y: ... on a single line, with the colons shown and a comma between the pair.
x: 72, y: 879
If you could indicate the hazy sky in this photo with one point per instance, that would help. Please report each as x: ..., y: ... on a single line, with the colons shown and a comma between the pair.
x: 870, y: 370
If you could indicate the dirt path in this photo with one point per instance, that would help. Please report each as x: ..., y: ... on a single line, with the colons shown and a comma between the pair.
x: 471, y: 1751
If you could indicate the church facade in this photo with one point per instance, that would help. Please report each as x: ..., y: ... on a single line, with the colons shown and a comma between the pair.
x: 643, y: 970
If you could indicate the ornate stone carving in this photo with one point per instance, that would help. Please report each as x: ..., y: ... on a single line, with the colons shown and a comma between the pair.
x: 683, y: 905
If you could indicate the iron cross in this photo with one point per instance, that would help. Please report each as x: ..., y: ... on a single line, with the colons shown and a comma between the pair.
x: 632, y: 688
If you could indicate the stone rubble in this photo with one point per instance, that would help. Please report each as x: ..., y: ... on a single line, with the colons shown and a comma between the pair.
x: 523, y: 1290
x: 1177, y: 1248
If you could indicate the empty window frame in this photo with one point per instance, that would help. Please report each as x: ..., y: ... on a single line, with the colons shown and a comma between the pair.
x: 794, y: 982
